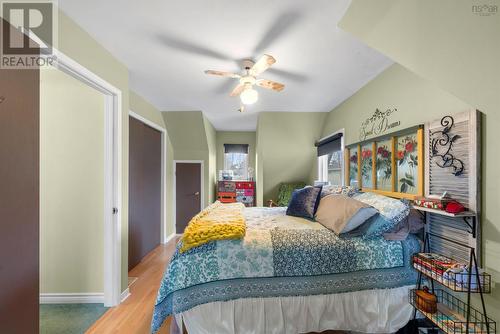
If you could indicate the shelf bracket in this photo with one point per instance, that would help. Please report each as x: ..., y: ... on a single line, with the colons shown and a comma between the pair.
x: 471, y: 223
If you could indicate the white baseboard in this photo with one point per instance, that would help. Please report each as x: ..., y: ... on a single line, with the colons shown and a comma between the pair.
x: 170, y: 237
x: 72, y: 298
x: 125, y: 294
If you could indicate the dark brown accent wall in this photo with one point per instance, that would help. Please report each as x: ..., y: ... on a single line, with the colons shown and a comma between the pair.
x: 144, y: 190
x: 19, y: 206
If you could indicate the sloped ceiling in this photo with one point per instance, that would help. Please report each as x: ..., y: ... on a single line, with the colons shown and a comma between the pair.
x: 455, y: 44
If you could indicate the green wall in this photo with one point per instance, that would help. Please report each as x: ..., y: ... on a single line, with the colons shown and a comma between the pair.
x: 235, y: 137
x: 81, y: 47
x: 259, y: 170
x: 77, y: 44
x: 71, y: 185
x: 193, y: 137
x: 417, y: 101
x: 188, y: 132
x: 211, y: 135
x: 448, y: 44
x: 286, y: 151
x: 443, y: 41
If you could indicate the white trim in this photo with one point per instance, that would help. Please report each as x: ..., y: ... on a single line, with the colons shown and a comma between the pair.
x: 322, y: 172
x: 202, y: 187
x: 170, y: 237
x: 332, y: 134
x: 124, y: 295
x: 72, y: 298
x: 163, y: 180
x: 147, y: 121
x: 113, y: 172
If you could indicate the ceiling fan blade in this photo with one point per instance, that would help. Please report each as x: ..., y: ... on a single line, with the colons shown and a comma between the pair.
x: 270, y: 84
x: 262, y: 64
x: 223, y: 74
x: 281, y: 25
x: 237, y: 90
x: 190, y: 47
x: 295, y: 76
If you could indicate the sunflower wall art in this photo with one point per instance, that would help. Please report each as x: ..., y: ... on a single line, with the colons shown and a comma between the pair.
x: 391, y: 165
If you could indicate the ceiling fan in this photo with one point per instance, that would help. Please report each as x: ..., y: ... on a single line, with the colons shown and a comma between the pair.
x: 248, y: 79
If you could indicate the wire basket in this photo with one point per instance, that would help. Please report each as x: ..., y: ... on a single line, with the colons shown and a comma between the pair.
x: 450, y: 314
x: 423, y: 263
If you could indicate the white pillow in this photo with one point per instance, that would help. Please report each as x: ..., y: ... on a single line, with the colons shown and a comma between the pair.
x: 359, y: 218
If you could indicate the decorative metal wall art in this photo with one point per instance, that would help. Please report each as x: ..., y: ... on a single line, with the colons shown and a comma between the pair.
x: 442, y: 147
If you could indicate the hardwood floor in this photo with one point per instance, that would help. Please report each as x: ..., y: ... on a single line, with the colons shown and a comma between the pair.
x: 134, y: 314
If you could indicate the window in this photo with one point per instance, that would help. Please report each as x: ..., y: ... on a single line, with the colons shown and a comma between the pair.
x: 331, y: 159
x: 236, y: 160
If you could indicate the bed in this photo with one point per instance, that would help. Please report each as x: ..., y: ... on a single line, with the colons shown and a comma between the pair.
x: 288, y: 275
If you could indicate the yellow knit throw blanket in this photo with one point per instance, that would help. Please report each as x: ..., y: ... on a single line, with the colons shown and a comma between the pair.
x: 216, y: 222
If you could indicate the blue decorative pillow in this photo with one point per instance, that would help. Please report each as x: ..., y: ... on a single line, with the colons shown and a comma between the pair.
x: 391, y: 212
x: 304, y: 202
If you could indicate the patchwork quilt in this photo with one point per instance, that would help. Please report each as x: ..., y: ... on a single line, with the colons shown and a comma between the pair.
x: 281, y: 256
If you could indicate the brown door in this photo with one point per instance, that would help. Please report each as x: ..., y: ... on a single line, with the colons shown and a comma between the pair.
x: 19, y: 177
x: 187, y: 193
x: 144, y: 191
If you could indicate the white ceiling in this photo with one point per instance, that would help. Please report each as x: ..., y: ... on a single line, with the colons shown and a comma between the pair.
x: 168, y: 44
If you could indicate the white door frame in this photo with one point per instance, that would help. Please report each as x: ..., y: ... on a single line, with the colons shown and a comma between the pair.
x: 163, y: 181
x: 202, y: 185
x: 112, y: 172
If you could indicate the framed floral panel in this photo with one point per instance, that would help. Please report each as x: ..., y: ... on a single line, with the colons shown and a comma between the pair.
x: 407, y: 164
x: 353, y: 167
x: 367, y: 166
x: 390, y: 165
x: 384, y: 165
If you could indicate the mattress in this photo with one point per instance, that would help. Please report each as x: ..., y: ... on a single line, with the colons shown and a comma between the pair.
x: 281, y: 256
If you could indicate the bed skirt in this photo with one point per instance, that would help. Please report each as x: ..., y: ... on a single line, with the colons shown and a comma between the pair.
x: 366, y: 311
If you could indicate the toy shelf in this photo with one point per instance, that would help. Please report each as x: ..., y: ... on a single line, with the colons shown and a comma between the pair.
x: 455, y: 281
x: 450, y: 315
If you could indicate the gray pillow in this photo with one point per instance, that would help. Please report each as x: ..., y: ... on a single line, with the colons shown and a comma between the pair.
x: 359, y: 218
x: 342, y: 214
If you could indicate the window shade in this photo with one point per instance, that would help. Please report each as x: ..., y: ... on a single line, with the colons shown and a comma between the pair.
x: 330, y: 144
x: 236, y: 148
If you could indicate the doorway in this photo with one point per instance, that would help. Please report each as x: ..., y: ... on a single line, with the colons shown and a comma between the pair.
x: 189, y: 191
x: 72, y: 198
x: 145, y: 190
x: 111, y: 145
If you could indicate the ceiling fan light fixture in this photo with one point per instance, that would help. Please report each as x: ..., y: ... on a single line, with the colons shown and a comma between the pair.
x: 249, y: 96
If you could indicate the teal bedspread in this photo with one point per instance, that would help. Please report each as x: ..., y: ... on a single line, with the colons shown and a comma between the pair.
x: 281, y: 256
